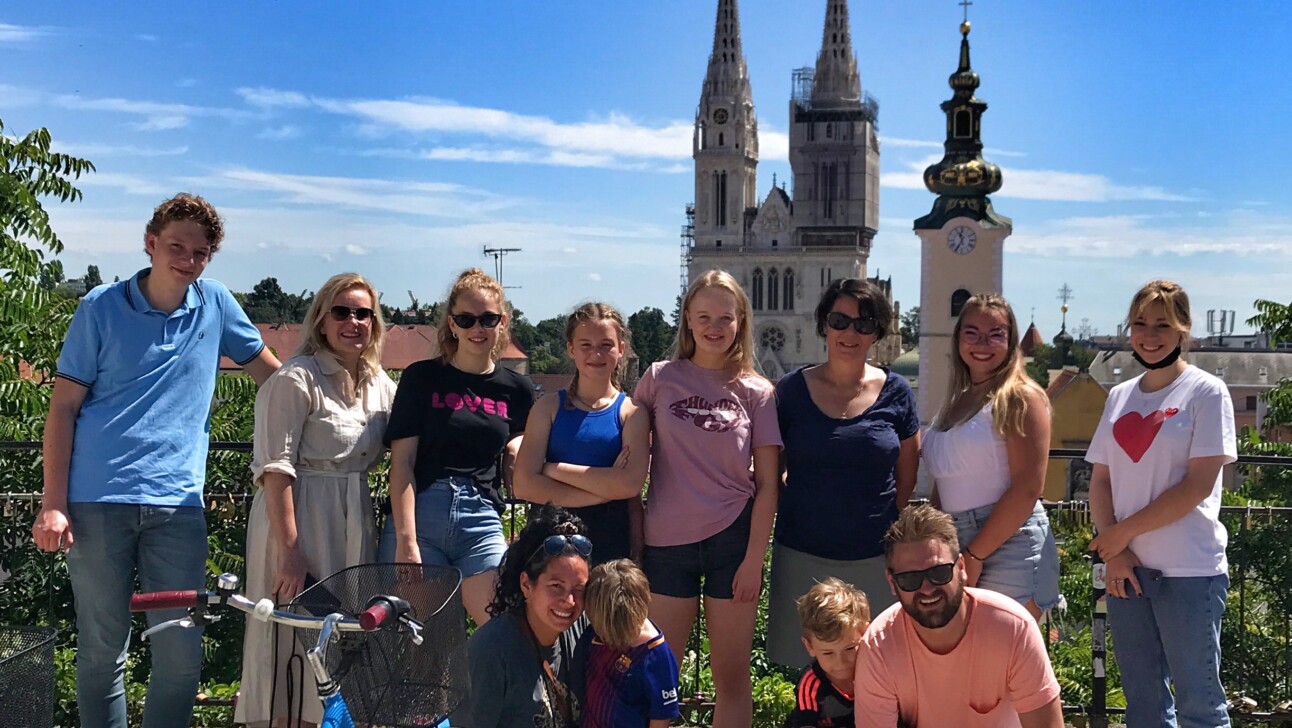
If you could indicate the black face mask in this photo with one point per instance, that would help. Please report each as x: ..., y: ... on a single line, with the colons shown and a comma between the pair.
x: 1166, y: 361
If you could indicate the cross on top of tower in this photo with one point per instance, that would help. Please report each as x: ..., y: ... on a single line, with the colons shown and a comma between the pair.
x: 965, y: 4
x: 1065, y: 294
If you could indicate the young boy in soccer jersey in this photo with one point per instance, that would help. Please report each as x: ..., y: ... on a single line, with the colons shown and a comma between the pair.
x: 834, y: 616
x: 625, y: 675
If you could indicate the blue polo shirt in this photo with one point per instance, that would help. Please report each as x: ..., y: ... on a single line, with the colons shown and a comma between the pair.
x: 142, y: 432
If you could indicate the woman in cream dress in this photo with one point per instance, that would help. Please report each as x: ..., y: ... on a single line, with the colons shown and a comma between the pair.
x: 319, y: 424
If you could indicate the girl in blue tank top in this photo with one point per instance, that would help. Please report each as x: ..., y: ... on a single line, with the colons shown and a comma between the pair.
x: 588, y: 448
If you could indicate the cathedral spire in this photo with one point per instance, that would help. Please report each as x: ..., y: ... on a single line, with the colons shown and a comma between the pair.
x: 836, y: 82
x: 728, y: 75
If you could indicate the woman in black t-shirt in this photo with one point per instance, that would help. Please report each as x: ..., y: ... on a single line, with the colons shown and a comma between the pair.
x: 451, y: 419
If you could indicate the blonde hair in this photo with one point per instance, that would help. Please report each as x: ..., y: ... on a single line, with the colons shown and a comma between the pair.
x: 740, y: 356
x: 617, y: 599
x: 313, y: 339
x: 920, y: 523
x: 832, y: 609
x: 595, y: 311
x: 471, y: 279
x: 1008, y: 384
x: 1173, y: 299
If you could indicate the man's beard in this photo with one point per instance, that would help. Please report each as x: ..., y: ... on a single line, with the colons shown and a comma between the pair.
x: 942, y: 615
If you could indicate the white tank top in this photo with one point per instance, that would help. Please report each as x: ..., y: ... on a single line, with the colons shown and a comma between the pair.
x: 969, y: 463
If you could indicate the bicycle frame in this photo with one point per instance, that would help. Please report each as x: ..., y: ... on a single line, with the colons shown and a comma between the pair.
x: 382, y: 610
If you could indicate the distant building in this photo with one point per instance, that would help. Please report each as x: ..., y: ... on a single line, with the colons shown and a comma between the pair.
x: 785, y: 249
x: 1076, y: 404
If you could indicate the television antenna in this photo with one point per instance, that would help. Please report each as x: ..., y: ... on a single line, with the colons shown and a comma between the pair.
x: 497, y: 254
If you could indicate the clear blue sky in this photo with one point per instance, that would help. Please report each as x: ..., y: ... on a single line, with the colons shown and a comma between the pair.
x: 1138, y: 139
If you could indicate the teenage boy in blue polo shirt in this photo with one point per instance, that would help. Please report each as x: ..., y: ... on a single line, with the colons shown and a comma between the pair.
x: 125, y: 456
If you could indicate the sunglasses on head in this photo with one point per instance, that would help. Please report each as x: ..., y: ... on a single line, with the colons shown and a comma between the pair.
x: 841, y: 321
x: 557, y: 543
x: 909, y: 581
x: 341, y: 313
x: 468, y: 320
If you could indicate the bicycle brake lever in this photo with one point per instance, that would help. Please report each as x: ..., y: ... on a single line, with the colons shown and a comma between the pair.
x: 184, y: 622
x: 414, y: 632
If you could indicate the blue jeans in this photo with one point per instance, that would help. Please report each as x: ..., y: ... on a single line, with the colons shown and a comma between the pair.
x: 166, y: 548
x: 456, y: 526
x: 1172, y: 639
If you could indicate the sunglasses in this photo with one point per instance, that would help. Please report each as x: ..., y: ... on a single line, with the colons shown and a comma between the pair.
x: 909, y: 581
x: 341, y: 313
x: 841, y: 321
x: 995, y: 337
x: 468, y: 320
x: 557, y: 543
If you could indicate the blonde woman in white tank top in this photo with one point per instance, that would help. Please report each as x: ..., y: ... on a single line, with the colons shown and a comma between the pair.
x: 987, y: 451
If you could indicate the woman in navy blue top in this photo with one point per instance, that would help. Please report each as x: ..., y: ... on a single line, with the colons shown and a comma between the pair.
x: 851, y: 436
x: 588, y: 447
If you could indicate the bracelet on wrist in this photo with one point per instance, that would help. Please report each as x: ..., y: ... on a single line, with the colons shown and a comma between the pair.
x: 972, y: 555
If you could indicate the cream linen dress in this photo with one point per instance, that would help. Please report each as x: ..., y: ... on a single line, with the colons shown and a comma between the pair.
x: 314, y: 425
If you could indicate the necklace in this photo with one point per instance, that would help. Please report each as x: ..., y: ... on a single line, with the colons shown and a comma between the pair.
x: 597, y: 405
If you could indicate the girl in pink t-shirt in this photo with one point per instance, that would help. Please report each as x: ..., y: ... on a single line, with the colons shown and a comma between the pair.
x: 708, y: 513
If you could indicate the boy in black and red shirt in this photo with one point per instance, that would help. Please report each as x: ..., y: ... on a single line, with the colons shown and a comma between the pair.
x: 834, y: 616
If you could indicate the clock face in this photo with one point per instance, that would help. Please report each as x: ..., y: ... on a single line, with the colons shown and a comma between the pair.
x: 720, y: 116
x: 962, y: 240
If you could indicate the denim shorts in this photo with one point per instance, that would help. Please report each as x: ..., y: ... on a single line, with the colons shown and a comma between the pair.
x: 456, y: 526
x: 677, y: 571
x: 1024, y: 568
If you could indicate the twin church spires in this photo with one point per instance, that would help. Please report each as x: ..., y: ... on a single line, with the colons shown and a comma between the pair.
x: 834, y: 152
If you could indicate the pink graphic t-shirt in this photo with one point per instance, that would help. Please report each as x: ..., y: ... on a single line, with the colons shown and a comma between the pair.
x: 704, y: 430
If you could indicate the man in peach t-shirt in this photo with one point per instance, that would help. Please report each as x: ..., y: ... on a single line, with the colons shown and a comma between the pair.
x: 948, y: 655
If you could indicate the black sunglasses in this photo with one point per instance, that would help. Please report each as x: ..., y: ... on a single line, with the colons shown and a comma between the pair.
x: 341, y: 313
x: 557, y: 543
x: 841, y: 321
x: 468, y: 320
x: 909, y: 581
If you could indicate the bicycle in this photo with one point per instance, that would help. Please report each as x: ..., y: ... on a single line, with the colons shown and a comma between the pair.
x: 365, y: 631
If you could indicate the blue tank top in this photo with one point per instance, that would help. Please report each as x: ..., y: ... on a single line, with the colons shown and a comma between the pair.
x: 594, y: 439
x: 586, y: 438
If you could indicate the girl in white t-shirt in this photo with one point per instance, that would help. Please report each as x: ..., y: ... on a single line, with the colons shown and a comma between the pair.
x: 987, y: 450
x: 708, y: 513
x: 1155, y: 499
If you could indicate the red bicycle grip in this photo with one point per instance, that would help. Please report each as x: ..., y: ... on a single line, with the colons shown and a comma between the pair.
x: 375, y: 616
x: 164, y: 600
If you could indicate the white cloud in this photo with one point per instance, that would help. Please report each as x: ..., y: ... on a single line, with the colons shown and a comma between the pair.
x: 353, y: 249
x: 94, y: 149
x: 595, y: 277
x: 186, y: 82
x: 146, y: 37
x: 127, y: 183
x: 1123, y: 236
x: 1037, y: 184
x: 272, y: 98
x: 21, y: 34
x: 157, y: 115
x: 279, y: 133
x: 162, y: 123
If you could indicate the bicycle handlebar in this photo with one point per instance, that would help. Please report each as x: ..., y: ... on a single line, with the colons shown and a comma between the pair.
x: 165, y: 600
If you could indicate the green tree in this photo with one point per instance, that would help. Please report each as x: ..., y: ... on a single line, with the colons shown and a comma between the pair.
x: 910, y: 328
x: 1039, y: 367
x: 652, y: 336
x: 93, y: 277
x: 33, y: 319
x: 268, y: 303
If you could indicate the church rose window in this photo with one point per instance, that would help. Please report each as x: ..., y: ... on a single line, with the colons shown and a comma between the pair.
x: 772, y: 338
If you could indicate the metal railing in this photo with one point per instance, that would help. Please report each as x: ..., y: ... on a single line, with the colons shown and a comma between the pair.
x: 1252, y: 598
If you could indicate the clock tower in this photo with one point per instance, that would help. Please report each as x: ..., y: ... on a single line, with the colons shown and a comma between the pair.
x: 961, y: 239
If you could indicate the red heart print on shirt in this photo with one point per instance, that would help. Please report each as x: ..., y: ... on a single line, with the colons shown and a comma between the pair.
x: 1135, y: 433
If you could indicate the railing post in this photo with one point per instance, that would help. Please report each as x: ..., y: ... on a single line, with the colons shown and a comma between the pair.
x: 1098, y: 642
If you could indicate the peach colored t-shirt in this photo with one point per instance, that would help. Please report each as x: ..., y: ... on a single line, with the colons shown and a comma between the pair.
x: 998, y: 670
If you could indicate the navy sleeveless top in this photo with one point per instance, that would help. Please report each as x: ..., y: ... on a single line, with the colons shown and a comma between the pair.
x: 594, y: 439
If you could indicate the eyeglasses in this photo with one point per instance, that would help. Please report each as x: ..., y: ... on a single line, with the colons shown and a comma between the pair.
x: 841, y: 321
x: 341, y: 313
x: 468, y: 320
x: 909, y: 581
x: 557, y: 543
x: 995, y: 337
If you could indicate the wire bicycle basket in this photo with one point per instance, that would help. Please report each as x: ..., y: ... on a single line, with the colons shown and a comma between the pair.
x: 27, y: 676
x: 385, y: 678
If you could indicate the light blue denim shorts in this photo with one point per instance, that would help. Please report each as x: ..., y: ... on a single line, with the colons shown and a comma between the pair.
x: 456, y: 526
x: 1024, y: 568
